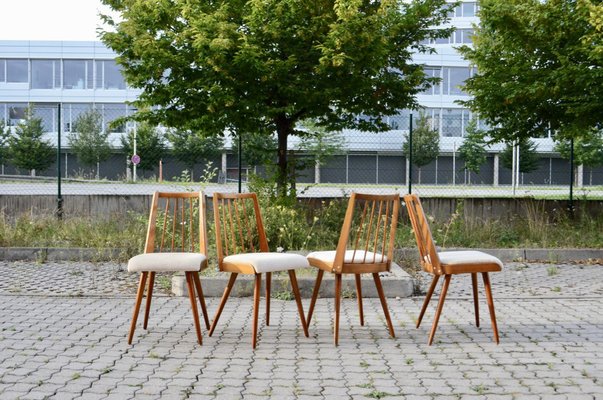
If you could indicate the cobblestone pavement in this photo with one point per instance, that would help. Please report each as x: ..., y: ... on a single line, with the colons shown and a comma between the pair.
x: 62, y: 347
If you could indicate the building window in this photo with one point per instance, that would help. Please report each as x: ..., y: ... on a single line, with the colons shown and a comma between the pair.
x: 436, y: 88
x: 463, y: 36
x: 2, y: 72
x: 452, y: 122
x: 47, y: 114
x: 466, y: 9
x: 77, y: 74
x: 17, y: 71
x: 71, y: 112
x: 45, y: 74
x: 16, y: 113
x: 108, y: 76
x: 458, y: 76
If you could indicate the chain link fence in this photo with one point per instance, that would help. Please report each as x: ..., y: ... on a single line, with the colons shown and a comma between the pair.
x: 94, y: 153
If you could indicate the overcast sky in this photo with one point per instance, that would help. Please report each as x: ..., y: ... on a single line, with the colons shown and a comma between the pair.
x: 50, y: 19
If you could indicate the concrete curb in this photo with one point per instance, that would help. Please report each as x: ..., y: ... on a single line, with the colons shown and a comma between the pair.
x: 396, y: 283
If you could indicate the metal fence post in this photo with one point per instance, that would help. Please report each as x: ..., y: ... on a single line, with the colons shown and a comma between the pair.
x: 571, y: 188
x: 410, y: 155
x: 240, y: 157
x: 59, y: 196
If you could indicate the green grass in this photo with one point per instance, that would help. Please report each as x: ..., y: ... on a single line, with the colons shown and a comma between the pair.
x: 306, y: 227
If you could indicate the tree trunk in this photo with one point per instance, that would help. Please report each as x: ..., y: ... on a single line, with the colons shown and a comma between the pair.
x: 97, y: 170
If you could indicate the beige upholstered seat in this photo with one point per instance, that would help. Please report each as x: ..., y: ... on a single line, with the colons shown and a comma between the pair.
x: 365, y: 246
x: 266, y: 262
x: 176, y: 241
x: 242, y: 248
x: 167, y: 262
x: 449, y: 263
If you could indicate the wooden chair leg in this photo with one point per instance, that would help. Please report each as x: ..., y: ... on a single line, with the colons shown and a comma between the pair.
x: 268, y: 285
x: 227, y: 290
x: 439, y: 309
x: 300, y: 307
x: 359, y: 297
x: 314, y: 295
x: 139, y: 294
x: 191, y: 295
x: 337, y: 308
x: 201, y: 298
x: 475, y: 299
x: 149, y: 296
x: 490, y: 301
x: 256, y: 304
x: 383, y: 303
x: 434, y: 282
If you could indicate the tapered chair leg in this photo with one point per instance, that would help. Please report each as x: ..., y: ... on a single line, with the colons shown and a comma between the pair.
x: 359, y: 297
x: 256, y: 305
x: 337, y: 308
x: 314, y: 295
x: 268, y: 285
x: 149, y: 296
x: 379, y: 287
x: 139, y: 294
x: 191, y: 295
x: 201, y: 299
x: 434, y: 282
x: 300, y: 307
x: 227, y: 290
x: 439, y: 309
x: 490, y: 301
x: 475, y: 299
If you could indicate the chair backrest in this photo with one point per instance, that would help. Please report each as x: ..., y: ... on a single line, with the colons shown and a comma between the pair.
x: 238, y: 224
x: 177, y: 223
x: 430, y: 261
x: 368, y: 231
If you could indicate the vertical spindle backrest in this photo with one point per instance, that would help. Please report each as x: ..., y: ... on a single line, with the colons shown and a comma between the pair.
x: 238, y: 224
x: 177, y: 223
x: 369, y: 230
x: 430, y: 261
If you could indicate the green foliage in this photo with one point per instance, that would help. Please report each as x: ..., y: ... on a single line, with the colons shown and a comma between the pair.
x: 123, y: 232
x: 473, y: 150
x: 263, y: 66
x: 425, y: 143
x: 257, y: 148
x: 4, y: 135
x: 27, y: 148
x: 192, y: 147
x: 150, y: 145
x: 588, y: 149
x: 88, y: 140
x: 538, y: 68
x: 528, y: 156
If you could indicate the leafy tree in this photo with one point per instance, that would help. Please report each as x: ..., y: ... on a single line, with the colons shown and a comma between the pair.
x: 588, y: 150
x: 88, y: 140
x: 192, y: 147
x: 27, y: 148
x: 4, y: 135
x: 263, y: 66
x: 528, y: 156
x: 538, y: 68
x: 473, y: 150
x: 150, y: 145
x: 425, y: 143
x: 257, y: 148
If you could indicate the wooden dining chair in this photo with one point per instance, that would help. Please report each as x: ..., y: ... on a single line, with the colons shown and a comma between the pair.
x: 449, y: 263
x: 242, y: 248
x: 176, y: 242
x: 365, y: 245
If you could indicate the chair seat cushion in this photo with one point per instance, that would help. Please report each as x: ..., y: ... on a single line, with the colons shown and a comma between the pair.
x: 167, y: 262
x: 470, y: 258
x: 268, y: 262
x: 351, y: 257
